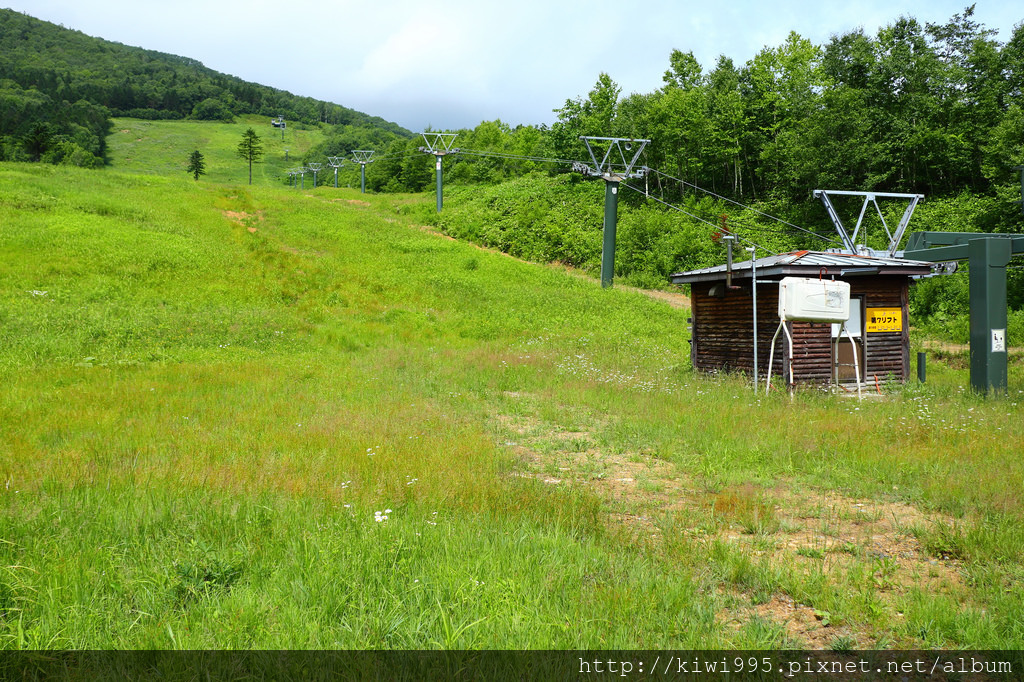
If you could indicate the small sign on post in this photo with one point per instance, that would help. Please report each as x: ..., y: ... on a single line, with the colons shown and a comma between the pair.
x: 998, y: 340
x: 884, y: 320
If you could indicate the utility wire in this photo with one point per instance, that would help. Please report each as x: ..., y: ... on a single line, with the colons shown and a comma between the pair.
x: 510, y: 156
x: 507, y: 155
x: 541, y: 159
x: 698, y: 218
x: 393, y: 156
x: 750, y: 208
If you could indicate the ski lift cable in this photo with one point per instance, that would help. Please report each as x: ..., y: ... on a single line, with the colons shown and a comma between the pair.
x: 698, y: 218
x: 738, y: 221
x: 750, y: 208
x: 509, y: 155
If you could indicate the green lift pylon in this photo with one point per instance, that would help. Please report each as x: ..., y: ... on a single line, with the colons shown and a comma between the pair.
x: 439, y: 144
x: 335, y: 162
x: 613, y: 169
x: 362, y: 157
x: 987, y: 256
x: 315, y: 167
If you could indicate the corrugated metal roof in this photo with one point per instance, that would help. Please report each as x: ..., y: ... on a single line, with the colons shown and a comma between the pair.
x: 809, y: 262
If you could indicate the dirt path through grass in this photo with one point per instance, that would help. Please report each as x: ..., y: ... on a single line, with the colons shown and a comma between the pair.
x: 867, y: 548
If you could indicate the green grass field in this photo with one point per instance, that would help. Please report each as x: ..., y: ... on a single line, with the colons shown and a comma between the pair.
x: 163, y: 148
x: 249, y: 417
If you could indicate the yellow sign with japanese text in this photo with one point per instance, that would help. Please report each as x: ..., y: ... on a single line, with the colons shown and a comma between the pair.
x: 884, y: 320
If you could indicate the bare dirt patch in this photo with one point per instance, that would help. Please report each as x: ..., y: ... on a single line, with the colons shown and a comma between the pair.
x: 674, y: 299
x: 246, y: 220
x: 869, y: 543
x: 804, y: 626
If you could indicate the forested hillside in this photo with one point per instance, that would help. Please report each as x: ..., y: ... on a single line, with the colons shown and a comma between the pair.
x: 58, y: 88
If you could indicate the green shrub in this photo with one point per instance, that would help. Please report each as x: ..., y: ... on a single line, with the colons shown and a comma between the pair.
x: 212, y: 109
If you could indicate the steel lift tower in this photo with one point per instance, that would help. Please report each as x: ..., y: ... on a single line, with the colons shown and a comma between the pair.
x: 315, y: 167
x: 613, y: 168
x: 335, y: 162
x: 363, y: 157
x: 439, y: 144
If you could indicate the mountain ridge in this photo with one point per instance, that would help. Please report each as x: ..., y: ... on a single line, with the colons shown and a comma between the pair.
x: 73, y: 83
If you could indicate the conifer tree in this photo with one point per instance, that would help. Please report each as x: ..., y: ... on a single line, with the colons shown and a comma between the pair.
x: 196, y: 164
x: 250, y: 149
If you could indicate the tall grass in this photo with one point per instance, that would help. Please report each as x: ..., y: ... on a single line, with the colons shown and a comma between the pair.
x: 213, y: 395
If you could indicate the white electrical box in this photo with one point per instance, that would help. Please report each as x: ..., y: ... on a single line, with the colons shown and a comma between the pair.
x: 814, y: 300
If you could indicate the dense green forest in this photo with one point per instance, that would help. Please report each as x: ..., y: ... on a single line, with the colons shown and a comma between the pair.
x: 59, y: 88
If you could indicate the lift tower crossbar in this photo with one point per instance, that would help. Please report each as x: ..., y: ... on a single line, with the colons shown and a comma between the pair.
x: 617, y: 164
x: 850, y: 240
x: 439, y: 144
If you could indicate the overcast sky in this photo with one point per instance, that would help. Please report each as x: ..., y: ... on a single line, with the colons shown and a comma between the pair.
x: 454, y: 63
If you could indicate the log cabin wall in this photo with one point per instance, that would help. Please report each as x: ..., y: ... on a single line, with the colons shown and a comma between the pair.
x: 722, y: 337
x: 886, y: 353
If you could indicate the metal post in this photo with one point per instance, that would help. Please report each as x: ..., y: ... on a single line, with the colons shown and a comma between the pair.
x: 922, y: 363
x: 439, y: 201
x: 728, y: 239
x: 611, y: 206
x: 335, y: 162
x: 363, y: 157
x: 988, y: 258
x: 753, y: 291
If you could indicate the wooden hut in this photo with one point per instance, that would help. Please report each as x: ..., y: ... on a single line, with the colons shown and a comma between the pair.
x: 722, y: 337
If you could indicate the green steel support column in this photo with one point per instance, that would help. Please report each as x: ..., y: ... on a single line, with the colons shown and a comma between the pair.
x: 362, y: 178
x: 611, y: 205
x: 438, y: 157
x: 988, y: 259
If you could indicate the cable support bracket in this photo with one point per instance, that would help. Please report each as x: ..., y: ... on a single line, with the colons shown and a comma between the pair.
x: 439, y: 144
x: 617, y: 162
